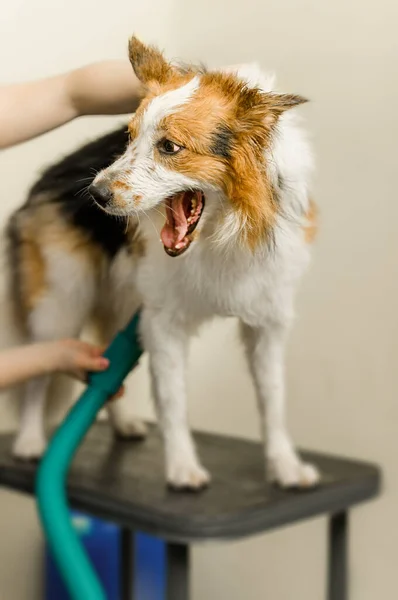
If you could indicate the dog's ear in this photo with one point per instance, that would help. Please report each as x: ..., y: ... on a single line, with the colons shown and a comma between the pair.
x: 254, y: 112
x: 268, y: 107
x: 258, y: 111
x: 148, y: 63
x: 277, y: 104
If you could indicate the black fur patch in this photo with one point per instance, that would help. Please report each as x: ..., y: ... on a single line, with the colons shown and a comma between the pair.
x: 66, y: 183
x: 222, y: 142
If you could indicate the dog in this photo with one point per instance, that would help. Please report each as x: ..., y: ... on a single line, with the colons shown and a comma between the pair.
x: 216, y: 162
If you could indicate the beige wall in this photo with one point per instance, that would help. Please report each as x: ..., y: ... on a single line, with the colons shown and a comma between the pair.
x: 343, y: 356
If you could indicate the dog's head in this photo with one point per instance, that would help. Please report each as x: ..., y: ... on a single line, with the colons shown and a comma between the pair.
x: 196, y: 152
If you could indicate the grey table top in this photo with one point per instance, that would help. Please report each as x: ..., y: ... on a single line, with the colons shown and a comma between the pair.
x: 124, y: 482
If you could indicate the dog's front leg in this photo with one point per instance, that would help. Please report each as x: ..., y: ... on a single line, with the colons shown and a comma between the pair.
x: 265, y: 351
x: 167, y: 344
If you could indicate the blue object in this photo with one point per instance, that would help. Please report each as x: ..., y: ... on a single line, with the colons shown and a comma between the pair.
x: 150, y: 568
x: 101, y: 541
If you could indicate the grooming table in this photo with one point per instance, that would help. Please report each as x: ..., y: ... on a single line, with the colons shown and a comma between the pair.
x: 123, y: 482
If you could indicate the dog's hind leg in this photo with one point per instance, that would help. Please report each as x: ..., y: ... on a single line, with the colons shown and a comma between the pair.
x: 30, y: 442
x: 60, y: 311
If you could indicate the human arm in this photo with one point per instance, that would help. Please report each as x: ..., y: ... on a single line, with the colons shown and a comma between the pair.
x: 30, y: 109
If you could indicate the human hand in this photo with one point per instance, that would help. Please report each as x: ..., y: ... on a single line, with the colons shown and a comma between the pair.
x: 77, y: 358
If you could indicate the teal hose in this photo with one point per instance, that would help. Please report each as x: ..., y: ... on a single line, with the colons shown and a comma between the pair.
x: 73, y: 563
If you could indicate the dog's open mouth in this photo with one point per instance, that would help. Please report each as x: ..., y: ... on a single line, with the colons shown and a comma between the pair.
x: 183, y: 212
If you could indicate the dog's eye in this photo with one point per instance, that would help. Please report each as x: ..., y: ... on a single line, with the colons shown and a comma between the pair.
x: 168, y: 147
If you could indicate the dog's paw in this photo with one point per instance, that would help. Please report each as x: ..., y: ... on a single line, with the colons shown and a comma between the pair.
x: 187, y: 476
x: 130, y: 429
x: 29, y: 446
x: 290, y: 472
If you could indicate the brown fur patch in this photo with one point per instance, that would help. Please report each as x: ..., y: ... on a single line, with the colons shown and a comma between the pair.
x: 151, y: 67
x: 118, y: 200
x: 311, y: 229
x: 148, y: 63
x: 32, y: 272
x: 56, y: 232
x: 35, y: 230
x: 120, y: 185
x: 252, y: 196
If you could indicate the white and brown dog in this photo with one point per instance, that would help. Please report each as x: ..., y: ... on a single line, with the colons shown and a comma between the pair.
x: 215, y: 163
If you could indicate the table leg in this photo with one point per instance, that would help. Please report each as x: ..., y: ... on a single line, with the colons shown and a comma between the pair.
x: 338, y: 557
x: 126, y: 564
x: 177, y: 572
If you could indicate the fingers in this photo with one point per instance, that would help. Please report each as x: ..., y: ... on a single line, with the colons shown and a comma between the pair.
x: 92, y: 363
x: 88, y: 348
x: 89, y: 364
x: 89, y: 357
x: 97, y: 350
x: 87, y: 361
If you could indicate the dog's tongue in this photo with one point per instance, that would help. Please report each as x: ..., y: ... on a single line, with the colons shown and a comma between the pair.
x: 176, y: 226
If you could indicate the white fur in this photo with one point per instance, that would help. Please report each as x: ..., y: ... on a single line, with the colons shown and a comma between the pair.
x: 166, y: 104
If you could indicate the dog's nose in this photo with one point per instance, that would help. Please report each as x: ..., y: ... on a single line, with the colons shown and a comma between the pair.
x: 101, y: 193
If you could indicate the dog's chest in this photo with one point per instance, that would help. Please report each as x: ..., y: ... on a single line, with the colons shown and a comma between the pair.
x: 204, y: 284
x: 226, y: 288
